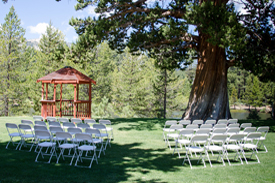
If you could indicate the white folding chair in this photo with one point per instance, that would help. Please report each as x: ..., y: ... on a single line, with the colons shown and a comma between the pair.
x: 89, y: 121
x: 209, y: 126
x: 67, y: 125
x: 222, y: 121
x: 244, y: 125
x: 194, y: 127
x: 193, y: 148
x: 90, y: 147
x: 28, y: 122
x: 231, y: 131
x: 248, y: 130
x: 26, y: 134
x: 234, y: 144
x: 232, y: 121
x: 250, y: 142
x: 63, y: 120
x: 76, y: 120
x: 38, y: 118
x: 54, y: 129
x: 46, y: 143
x: 203, y: 131
x: 108, y: 125
x: 185, y: 122
x: 264, y: 130
x: 40, y: 127
x: 13, y: 133
x: 211, y: 122
x: 166, y: 128
x: 103, y: 133
x: 54, y: 123
x: 234, y: 125
x: 216, y: 143
x: 220, y: 126
x: 197, y: 122
x: 95, y: 133
x: 82, y: 126
x: 50, y: 118
x: 42, y: 123
x: 65, y: 141
x: 173, y: 133
x: 183, y: 139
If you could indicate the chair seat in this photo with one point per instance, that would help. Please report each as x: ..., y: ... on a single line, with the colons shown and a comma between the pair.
x: 214, y: 148
x: 102, y: 135
x: 195, y: 149
x: 27, y: 135
x: 15, y: 134
x: 168, y: 130
x: 249, y: 146
x: 46, y: 144
x: 67, y: 146
x: 87, y: 148
x: 173, y: 135
x: 96, y: 141
x: 183, y: 141
x: 232, y: 147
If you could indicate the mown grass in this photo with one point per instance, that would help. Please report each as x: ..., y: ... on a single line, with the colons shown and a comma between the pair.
x: 137, y: 154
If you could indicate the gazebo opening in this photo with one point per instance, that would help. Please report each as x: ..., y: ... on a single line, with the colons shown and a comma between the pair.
x: 66, y: 92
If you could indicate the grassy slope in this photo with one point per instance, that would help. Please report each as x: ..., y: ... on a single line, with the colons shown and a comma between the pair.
x: 138, y: 154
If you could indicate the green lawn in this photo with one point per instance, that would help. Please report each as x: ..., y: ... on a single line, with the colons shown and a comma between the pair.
x: 138, y: 154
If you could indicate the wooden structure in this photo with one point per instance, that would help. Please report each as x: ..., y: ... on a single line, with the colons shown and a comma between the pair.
x: 63, y: 107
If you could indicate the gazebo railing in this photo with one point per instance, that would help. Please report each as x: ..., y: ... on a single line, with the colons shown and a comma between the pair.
x: 66, y: 108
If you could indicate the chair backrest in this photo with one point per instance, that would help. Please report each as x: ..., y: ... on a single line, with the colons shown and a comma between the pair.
x: 83, y: 125
x: 68, y: 124
x: 42, y: 134
x: 220, y: 126
x: 222, y: 121
x: 92, y: 131
x: 210, y: 121
x: 40, y: 127
x: 63, y: 135
x: 54, y: 129
x: 250, y: 129
x: 105, y: 122
x: 83, y: 137
x: 233, y: 130
x: 185, y: 122
x: 197, y: 122
x: 232, y: 121
x: 54, y: 123
x: 74, y: 130
x: 50, y: 118
x: 63, y: 120
x: 219, y: 131
x: 76, y: 120
x: 25, y: 121
x: 234, y: 125
x: 244, y: 125
x: 40, y: 123
x: 11, y: 125
x: 236, y: 137
x: 186, y: 132
x: 192, y: 126
x: 206, y: 126
x: 176, y: 127
x: 218, y: 138
x: 25, y: 127
x: 202, y: 139
x: 170, y: 122
x: 38, y: 118
x: 204, y: 131
x: 99, y: 126
x: 87, y: 121
x: 264, y: 130
x: 253, y: 136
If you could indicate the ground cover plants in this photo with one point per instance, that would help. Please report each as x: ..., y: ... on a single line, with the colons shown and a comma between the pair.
x: 137, y: 154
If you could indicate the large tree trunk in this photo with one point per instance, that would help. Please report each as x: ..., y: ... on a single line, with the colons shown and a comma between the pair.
x: 209, y: 97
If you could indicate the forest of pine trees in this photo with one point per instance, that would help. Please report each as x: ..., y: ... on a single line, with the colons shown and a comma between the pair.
x: 127, y: 85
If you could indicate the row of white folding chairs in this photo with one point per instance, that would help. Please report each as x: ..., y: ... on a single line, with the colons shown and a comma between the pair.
x: 222, y: 144
x: 80, y: 143
x: 66, y: 124
x: 174, y: 131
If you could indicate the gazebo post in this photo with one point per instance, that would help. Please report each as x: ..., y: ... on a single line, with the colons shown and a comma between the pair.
x: 54, y: 99
x: 47, y: 91
x: 74, y: 100
x: 90, y: 100
x: 77, y: 97
x: 42, y: 111
x: 60, y: 113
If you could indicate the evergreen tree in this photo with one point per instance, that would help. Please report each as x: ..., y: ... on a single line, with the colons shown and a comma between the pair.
x: 12, y: 43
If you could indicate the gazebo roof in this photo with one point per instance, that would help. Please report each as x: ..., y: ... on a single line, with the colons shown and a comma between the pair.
x: 66, y: 75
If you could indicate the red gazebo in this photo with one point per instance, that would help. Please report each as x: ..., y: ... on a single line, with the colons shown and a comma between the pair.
x: 64, y: 107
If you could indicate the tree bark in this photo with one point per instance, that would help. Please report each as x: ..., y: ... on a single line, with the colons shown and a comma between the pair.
x: 209, y: 96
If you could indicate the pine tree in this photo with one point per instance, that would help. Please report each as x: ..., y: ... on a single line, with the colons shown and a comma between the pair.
x: 12, y: 43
